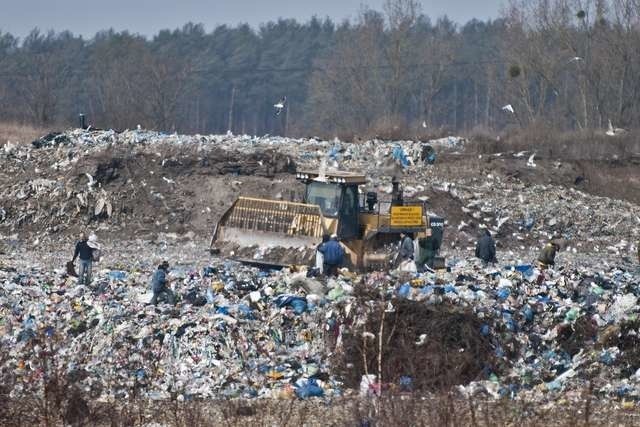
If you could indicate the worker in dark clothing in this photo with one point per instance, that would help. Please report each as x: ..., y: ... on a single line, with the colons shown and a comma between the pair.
x: 428, y: 250
x: 486, y: 249
x: 85, y: 252
x: 160, y: 284
x: 405, y: 251
x: 333, y: 253
x: 396, y: 192
x: 548, y: 255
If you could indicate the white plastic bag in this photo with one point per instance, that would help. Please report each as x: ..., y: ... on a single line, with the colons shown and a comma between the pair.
x: 319, y: 261
x: 408, y: 265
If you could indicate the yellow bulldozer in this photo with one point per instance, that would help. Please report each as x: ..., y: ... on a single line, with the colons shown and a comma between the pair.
x: 332, y: 204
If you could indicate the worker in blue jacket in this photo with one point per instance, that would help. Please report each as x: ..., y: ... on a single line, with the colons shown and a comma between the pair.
x: 333, y: 253
x: 160, y: 284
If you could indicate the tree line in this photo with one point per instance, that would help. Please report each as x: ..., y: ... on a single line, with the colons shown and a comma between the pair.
x: 563, y: 64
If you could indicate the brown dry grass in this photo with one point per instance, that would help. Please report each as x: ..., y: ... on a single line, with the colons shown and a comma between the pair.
x: 17, y: 133
x: 440, y: 410
x: 555, y: 145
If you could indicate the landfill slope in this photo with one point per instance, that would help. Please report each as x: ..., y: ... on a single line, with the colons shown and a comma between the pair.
x: 143, y: 183
x: 521, y: 333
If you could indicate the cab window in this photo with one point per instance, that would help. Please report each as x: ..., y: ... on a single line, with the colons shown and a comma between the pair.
x: 325, y: 195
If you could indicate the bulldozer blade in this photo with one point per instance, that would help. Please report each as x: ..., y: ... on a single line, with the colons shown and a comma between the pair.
x: 270, y: 223
x: 264, y: 265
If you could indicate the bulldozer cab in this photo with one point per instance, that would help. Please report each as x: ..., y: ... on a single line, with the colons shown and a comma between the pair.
x: 337, y: 196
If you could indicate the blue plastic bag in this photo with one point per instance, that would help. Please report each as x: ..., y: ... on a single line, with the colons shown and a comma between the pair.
x: 246, y: 311
x: 208, y: 271
x: 406, y: 383
x: 503, y: 293
x: 298, y: 304
x: 404, y: 290
x: 401, y: 156
x: 117, y: 275
x: 309, y: 389
x: 484, y: 330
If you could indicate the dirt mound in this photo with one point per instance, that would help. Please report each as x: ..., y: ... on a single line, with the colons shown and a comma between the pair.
x: 437, y: 347
x: 164, y: 187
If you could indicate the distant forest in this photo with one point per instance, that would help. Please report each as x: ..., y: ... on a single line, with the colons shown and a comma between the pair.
x: 562, y: 64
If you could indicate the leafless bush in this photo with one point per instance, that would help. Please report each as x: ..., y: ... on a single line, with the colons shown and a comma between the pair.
x: 435, y: 347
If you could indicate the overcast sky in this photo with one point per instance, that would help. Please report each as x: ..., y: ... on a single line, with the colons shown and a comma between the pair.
x: 148, y: 16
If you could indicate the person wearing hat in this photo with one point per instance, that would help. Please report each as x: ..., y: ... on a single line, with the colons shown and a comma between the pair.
x: 333, y: 254
x: 159, y: 284
x: 547, y: 256
x: 85, y: 252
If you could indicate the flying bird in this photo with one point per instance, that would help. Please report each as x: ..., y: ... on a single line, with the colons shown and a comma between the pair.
x: 424, y: 124
x: 508, y: 108
x: 575, y: 59
x: 279, y: 106
x: 421, y: 339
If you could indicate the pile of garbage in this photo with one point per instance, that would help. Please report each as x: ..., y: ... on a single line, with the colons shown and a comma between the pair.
x: 242, y: 332
x: 123, y: 180
x: 236, y: 332
x: 554, y: 331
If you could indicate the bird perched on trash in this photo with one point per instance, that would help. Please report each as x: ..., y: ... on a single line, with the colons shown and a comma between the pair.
x: 501, y: 222
x: 91, y: 182
x: 424, y: 124
x: 530, y: 162
x: 614, y: 131
x: 508, y: 108
x: 279, y: 106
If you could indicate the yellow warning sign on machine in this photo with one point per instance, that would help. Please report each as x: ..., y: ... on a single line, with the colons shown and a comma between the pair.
x: 406, y: 216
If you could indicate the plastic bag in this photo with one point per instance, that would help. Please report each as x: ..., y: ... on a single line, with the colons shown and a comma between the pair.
x: 71, y: 269
x: 309, y: 389
x: 408, y: 265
